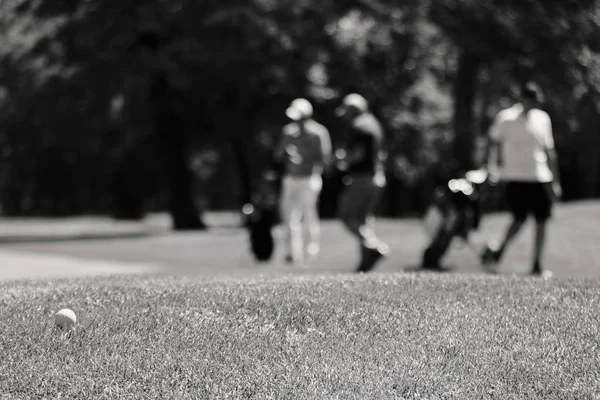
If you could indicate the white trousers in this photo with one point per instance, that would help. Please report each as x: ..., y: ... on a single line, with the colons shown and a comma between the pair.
x: 300, y: 216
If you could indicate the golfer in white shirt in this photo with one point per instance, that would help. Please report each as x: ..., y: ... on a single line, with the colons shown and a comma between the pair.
x: 522, y: 154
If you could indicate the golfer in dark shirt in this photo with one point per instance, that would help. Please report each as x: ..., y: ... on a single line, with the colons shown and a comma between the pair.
x: 366, y: 178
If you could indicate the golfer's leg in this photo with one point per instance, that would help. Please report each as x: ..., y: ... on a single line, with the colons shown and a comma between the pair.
x: 511, y: 232
x: 540, y: 241
x: 311, y: 215
x: 358, y: 200
x: 517, y: 201
x: 367, y: 229
x: 349, y: 209
x: 295, y: 223
x: 542, y: 210
x: 286, y: 209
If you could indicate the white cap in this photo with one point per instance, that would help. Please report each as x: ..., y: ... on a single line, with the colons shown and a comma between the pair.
x: 353, y: 100
x: 299, y: 109
x: 357, y: 101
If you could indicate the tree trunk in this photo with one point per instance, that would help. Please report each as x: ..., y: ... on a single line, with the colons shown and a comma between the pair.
x: 589, y: 166
x: 183, y: 211
x: 243, y: 168
x: 173, y: 146
x: 464, y: 115
x: 127, y: 195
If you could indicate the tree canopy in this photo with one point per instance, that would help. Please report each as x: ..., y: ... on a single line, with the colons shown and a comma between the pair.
x: 75, y: 112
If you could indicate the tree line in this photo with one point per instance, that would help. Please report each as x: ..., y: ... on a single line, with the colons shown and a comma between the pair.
x: 86, y: 85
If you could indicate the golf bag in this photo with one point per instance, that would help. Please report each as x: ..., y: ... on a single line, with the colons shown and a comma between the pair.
x: 261, y: 214
x: 454, y: 213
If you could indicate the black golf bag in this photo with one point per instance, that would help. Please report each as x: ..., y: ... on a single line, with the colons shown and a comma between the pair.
x: 454, y: 213
x: 261, y: 214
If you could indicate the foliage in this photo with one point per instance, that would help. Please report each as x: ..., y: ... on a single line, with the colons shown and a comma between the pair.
x: 514, y: 41
x: 75, y: 114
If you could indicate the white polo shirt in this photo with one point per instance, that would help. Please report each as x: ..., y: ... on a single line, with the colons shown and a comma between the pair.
x: 524, y: 139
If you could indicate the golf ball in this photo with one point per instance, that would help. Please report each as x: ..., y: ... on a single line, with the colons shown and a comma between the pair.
x: 65, y: 319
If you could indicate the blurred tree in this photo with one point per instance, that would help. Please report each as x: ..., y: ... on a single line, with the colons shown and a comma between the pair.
x: 76, y: 97
x: 542, y: 40
x: 588, y: 132
x: 168, y: 103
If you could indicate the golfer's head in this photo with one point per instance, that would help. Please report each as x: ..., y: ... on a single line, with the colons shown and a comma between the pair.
x: 531, y: 95
x: 352, y: 105
x: 299, y: 110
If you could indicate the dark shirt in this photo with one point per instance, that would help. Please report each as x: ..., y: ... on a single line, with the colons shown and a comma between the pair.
x: 365, y: 137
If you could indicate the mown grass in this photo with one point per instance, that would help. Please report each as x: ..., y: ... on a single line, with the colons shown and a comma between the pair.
x: 403, y: 336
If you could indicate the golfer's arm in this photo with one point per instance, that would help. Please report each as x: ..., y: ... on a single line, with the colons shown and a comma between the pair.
x: 493, y: 149
x: 381, y: 154
x: 553, y: 164
x: 493, y: 156
x: 551, y: 152
x: 326, y: 150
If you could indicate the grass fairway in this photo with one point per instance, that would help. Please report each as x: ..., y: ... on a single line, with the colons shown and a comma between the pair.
x: 404, y: 336
x: 571, y: 250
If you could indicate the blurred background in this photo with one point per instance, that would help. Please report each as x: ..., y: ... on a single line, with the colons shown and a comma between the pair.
x: 125, y: 108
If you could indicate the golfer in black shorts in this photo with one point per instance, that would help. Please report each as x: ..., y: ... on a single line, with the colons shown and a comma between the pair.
x: 365, y: 181
x: 521, y: 138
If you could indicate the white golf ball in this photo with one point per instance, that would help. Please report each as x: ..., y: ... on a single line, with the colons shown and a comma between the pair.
x: 65, y: 319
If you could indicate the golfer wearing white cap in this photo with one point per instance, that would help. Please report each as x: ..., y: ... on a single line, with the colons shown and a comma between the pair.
x: 523, y: 153
x: 305, y: 151
x: 365, y: 180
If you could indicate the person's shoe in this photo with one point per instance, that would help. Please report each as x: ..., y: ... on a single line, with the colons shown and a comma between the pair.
x: 296, y: 263
x: 431, y: 259
x: 544, y: 274
x: 289, y: 259
x: 490, y: 258
x: 313, y: 251
x: 371, y: 256
x: 539, y: 272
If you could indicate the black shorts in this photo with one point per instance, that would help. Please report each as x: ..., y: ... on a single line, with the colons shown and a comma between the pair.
x: 529, y: 198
